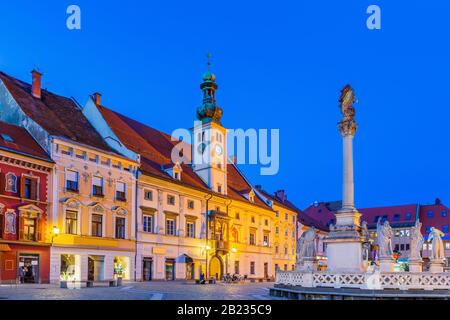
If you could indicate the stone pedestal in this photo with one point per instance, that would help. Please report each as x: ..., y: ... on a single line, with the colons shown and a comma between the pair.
x: 344, y: 244
x: 386, y: 264
x: 308, y: 265
x: 415, y: 266
x: 437, y: 266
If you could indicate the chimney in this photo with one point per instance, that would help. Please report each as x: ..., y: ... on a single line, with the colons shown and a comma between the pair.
x: 280, y: 194
x: 36, y: 84
x: 258, y: 187
x: 97, y: 96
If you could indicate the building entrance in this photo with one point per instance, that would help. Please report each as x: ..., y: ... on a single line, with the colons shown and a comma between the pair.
x: 216, y: 268
x: 28, y: 268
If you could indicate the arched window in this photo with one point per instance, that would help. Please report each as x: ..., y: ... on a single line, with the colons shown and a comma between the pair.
x: 235, y: 235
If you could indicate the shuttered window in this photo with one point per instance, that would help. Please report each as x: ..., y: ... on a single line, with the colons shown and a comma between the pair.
x: 97, y: 186
x: 28, y: 188
x: 120, y: 191
x: 71, y: 180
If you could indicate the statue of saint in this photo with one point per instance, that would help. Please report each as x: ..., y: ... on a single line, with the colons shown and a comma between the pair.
x: 346, y: 101
x: 347, y: 126
x: 364, y: 230
x: 367, y: 242
x: 306, y: 245
x: 437, y: 245
x: 384, y: 237
x: 416, y: 242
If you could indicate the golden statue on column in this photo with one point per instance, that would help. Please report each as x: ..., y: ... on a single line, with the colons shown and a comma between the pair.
x: 348, y: 125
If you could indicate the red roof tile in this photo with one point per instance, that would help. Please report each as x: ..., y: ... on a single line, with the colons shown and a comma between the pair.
x: 59, y: 116
x: 155, y: 148
x: 22, y: 142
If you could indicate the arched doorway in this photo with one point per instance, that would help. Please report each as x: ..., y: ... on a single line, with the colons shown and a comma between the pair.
x: 215, y: 268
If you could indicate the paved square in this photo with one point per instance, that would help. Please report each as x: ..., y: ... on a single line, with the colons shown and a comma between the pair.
x: 177, y: 290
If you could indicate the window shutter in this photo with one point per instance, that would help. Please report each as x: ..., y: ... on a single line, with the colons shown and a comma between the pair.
x: 22, y: 187
x: 21, y: 226
x: 2, y: 183
x: 34, y: 186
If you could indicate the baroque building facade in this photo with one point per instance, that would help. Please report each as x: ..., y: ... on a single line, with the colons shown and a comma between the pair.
x: 25, y: 210
x: 92, y: 185
x: 120, y: 205
x: 193, y: 218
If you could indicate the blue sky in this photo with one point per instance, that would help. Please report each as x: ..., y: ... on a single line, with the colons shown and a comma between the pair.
x: 279, y: 64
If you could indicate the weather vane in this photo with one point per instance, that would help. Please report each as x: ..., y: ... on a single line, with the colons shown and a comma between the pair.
x: 209, y: 56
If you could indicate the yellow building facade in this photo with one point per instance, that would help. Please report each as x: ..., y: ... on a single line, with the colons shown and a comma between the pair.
x: 93, y: 218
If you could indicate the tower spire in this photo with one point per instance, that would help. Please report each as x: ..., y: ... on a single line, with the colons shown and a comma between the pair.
x: 209, y: 111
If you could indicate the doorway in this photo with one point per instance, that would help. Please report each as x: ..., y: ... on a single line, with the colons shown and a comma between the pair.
x: 215, y: 268
x: 170, y: 269
x: 266, y: 270
x: 96, y: 267
x: 147, y: 269
x: 28, y: 268
x: 190, y: 271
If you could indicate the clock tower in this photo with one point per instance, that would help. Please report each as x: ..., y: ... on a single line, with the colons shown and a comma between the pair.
x: 209, y: 148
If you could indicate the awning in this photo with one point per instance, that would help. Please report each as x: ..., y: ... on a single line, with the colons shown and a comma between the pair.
x: 4, y: 247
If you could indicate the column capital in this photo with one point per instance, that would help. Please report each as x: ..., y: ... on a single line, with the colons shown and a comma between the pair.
x: 347, y: 127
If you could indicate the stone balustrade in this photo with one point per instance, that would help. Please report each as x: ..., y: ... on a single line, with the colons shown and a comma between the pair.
x: 373, y: 281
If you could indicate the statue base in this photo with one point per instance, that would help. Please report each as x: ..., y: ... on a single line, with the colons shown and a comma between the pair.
x: 436, y: 266
x: 344, y: 243
x: 308, y: 265
x: 415, y: 266
x: 386, y: 264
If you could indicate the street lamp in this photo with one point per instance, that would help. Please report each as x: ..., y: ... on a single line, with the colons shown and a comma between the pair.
x: 207, y: 249
x: 55, y: 232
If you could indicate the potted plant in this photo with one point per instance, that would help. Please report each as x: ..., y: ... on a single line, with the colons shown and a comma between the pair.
x: 64, y: 277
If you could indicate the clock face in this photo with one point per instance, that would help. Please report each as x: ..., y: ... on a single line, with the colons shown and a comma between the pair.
x: 202, y: 147
x: 219, y: 149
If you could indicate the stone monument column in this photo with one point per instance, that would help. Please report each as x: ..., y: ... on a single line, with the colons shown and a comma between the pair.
x: 344, y: 242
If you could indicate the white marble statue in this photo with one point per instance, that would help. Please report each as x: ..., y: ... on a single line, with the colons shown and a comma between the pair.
x: 306, y: 245
x: 365, y: 230
x: 416, y: 242
x: 384, y: 237
x: 437, y: 245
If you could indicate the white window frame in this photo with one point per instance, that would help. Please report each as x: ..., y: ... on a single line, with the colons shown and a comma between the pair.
x: 115, y: 216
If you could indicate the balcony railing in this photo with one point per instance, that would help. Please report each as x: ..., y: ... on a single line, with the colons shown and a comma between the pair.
x: 221, y: 245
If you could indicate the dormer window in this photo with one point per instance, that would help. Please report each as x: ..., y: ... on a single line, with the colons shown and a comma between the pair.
x: 251, y: 196
x: 175, y: 171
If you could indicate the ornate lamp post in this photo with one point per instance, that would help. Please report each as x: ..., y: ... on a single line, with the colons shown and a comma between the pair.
x: 344, y: 242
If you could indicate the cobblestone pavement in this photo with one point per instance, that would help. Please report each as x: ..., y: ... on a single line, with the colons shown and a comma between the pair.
x: 176, y: 290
